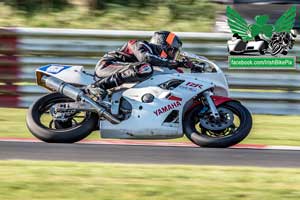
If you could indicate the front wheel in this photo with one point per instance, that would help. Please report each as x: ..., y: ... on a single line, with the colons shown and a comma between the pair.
x: 68, y: 127
x: 233, y: 126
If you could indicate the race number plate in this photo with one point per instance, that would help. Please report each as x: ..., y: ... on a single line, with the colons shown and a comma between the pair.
x: 54, y: 69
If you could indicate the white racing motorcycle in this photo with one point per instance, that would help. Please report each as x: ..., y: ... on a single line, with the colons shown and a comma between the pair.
x: 167, y: 105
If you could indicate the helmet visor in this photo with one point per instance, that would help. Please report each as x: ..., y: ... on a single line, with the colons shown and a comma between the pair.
x: 173, y: 53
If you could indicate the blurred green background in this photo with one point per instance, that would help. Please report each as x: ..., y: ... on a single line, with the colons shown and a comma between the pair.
x: 175, y: 15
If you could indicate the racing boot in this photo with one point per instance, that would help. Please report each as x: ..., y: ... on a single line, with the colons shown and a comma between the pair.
x: 99, y: 88
x: 95, y: 92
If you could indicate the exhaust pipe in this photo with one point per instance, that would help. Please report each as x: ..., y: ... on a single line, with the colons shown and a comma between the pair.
x: 78, y: 95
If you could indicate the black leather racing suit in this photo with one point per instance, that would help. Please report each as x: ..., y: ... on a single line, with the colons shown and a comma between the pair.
x: 131, y: 63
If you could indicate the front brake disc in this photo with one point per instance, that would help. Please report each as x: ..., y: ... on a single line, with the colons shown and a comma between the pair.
x: 210, y: 123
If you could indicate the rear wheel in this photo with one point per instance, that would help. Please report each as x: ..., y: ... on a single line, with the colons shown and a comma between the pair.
x: 234, y: 125
x: 72, y: 127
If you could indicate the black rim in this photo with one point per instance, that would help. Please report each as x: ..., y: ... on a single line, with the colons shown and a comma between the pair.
x: 227, y: 132
x: 45, y: 120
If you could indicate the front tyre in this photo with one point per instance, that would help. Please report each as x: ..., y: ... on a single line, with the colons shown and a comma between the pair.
x: 41, y: 124
x: 237, y: 117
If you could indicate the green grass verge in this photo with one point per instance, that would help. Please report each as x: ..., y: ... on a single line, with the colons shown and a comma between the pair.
x: 200, y: 16
x: 44, y: 180
x: 267, y: 129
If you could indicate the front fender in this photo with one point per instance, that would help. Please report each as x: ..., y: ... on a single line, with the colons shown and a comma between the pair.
x: 218, y: 100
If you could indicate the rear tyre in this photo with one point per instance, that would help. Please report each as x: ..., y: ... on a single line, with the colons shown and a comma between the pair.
x: 233, y: 134
x: 41, y: 124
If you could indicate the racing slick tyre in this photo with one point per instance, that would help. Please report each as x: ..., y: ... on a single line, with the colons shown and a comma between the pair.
x: 234, y: 125
x: 42, y: 125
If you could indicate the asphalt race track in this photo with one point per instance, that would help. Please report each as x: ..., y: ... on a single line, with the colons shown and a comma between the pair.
x: 149, y: 154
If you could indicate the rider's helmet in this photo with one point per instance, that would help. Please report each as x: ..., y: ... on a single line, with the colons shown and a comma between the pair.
x: 168, y: 42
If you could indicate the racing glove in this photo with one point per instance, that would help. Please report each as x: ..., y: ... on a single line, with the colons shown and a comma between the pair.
x: 173, y: 64
x: 185, y: 63
x: 188, y: 64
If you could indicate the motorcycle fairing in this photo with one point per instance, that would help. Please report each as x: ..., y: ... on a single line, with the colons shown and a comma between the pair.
x: 147, y: 119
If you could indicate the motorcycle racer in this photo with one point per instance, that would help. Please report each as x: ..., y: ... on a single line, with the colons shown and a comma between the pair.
x: 134, y: 62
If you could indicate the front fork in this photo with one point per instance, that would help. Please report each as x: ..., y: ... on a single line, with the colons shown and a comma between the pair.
x: 208, y: 97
